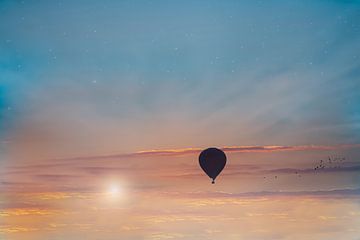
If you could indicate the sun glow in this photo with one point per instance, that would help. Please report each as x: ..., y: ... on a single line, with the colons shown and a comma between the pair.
x: 114, y: 190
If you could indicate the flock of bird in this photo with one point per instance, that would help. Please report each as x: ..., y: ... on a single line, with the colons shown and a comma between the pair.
x: 330, y: 163
x: 335, y: 162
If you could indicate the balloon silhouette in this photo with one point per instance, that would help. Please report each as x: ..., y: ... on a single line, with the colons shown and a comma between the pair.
x: 212, y: 161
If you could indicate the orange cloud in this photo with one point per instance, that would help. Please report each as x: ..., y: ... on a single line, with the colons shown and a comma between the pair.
x: 247, y: 149
x: 26, y: 211
x: 16, y: 229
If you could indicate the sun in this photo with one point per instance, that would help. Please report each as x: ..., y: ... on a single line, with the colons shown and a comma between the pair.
x: 114, y: 190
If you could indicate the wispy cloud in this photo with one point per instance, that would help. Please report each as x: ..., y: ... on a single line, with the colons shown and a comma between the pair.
x: 16, y: 229
x: 311, y: 170
x: 26, y: 211
x: 354, y: 168
x: 248, y: 170
x: 236, y: 149
x: 336, y: 193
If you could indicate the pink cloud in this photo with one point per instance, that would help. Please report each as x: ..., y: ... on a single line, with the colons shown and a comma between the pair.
x: 236, y: 149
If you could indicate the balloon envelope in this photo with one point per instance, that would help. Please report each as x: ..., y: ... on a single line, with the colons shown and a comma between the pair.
x: 212, y: 161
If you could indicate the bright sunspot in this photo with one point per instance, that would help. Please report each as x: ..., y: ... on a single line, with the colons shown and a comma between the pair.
x: 114, y: 190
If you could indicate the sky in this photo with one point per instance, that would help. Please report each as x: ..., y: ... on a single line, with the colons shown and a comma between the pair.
x: 105, y: 107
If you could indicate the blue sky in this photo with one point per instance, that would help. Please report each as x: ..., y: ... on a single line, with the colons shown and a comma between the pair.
x: 193, y: 59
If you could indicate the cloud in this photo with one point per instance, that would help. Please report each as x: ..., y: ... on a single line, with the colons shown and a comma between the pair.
x: 163, y: 235
x: 236, y: 149
x: 336, y: 193
x: 256, y: 170
x: 16, y: 229
x: 57, y: 177
x: 26, y: 211
x: 355, y: 168
x: 338, y: 169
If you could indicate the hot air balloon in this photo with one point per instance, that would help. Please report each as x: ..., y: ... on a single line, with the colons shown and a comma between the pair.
x: 212, y: 161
